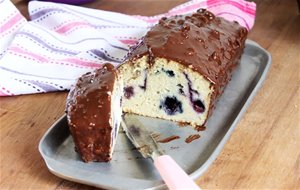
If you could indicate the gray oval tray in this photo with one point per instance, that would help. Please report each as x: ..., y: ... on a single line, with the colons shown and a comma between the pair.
x: 128, y: 170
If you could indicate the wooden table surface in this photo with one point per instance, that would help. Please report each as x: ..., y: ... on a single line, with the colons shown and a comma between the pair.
x: 262, y: 153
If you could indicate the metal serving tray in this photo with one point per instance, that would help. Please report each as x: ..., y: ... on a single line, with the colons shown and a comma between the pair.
x: 128, y: 170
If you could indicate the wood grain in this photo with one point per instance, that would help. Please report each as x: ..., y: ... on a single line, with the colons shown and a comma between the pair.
x: 262, y: 153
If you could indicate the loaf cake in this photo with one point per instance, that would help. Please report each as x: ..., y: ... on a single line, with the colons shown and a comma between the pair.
x: 177, y: 71
x: 94, y: 113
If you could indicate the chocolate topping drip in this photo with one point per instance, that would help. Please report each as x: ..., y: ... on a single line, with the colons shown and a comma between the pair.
x: 88, y: 112
x: 207, y: 44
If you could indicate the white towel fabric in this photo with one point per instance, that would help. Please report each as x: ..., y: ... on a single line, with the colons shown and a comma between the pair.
x: 62, y: 42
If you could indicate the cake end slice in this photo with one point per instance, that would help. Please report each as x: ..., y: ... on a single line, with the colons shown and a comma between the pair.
x: 94, y: 113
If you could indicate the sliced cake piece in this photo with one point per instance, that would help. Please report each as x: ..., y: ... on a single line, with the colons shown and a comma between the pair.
x: 181, y: 66
x: 94, y: 113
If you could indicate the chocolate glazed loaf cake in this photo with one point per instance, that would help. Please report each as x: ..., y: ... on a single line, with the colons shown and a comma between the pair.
x: 177, y: 71
x: 94, y: 113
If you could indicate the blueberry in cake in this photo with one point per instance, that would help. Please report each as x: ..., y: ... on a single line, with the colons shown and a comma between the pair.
x: 94, y: 113
x: 177, y: 71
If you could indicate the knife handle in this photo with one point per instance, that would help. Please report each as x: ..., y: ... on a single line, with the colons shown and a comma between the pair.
x: 173, y: 175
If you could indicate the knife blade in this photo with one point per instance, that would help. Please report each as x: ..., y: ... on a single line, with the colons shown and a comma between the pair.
x: 172, y: 174
x: 140, y: 137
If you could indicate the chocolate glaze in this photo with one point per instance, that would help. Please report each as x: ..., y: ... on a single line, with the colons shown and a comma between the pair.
x: 89, y: 113
x: 202, y: 42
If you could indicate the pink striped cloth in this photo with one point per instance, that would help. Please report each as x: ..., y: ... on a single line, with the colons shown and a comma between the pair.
x: 61, y: 42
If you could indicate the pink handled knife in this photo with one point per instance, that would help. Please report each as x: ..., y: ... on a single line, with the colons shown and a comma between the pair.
x: 172, y: 174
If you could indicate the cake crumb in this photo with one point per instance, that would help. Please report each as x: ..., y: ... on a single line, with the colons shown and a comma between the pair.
x: 200, y: 128
x: 182, y: 124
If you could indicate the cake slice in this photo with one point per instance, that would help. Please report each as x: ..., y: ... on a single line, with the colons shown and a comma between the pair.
x: 94, y: 113
x: 177, y: 71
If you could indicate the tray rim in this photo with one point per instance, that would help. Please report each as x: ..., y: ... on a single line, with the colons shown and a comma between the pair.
x: 200, y: 171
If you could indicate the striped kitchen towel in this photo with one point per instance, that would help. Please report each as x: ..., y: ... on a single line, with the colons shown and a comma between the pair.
x: 61, y: 42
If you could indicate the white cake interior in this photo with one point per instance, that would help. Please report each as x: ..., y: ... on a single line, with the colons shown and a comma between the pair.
x: 116, y: 111
x: 165, y: 89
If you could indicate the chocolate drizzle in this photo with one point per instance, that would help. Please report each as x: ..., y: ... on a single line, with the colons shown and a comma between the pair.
x: 192, y: 138
x: 168, y: 139
x: 202, y: 42
x: 89, y: 112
